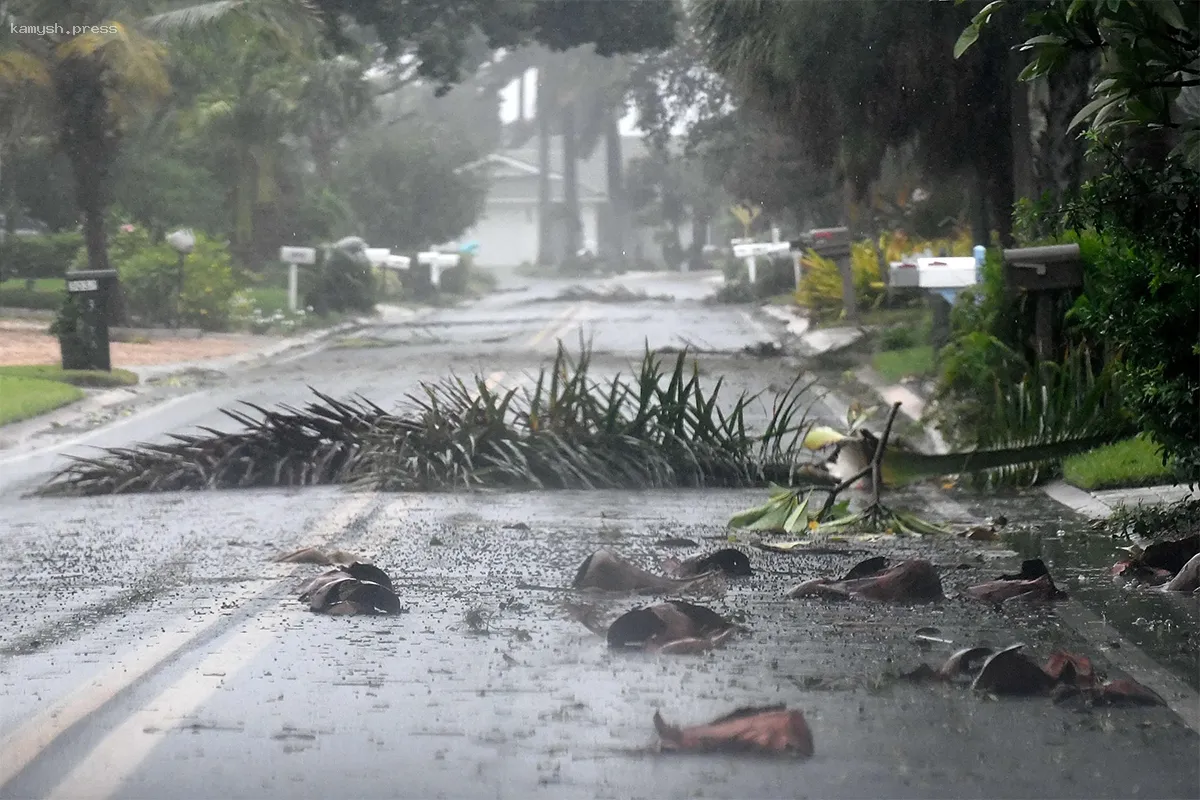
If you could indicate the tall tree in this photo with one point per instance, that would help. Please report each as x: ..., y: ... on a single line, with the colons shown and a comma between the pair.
x: 96, y: 82
x: 334, y: 96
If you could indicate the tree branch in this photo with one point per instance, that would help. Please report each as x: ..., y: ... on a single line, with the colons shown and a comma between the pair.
x: 874, y: 469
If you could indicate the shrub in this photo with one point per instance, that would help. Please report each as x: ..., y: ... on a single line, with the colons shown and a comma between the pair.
x: 821, y: 284
x: 456, y: 280
x: 78, y: 339
x: 773, y: 276
x: 33, y: 257
x: 20, y: 297
x: 345, y: 280
x: 1144, y: 300
x: 150, y: 280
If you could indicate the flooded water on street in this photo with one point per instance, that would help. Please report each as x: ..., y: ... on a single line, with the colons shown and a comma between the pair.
x: 1165, y: 625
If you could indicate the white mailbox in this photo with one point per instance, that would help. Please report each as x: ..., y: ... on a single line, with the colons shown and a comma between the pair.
x: 903, y: 274
x: 945, y: 273
x: 436, y: 259
x: 378, y: 255
x: 750, y: 249
x: 398, y: 262
x: 298, y: 255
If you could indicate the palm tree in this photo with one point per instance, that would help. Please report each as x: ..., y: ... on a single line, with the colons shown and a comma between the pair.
x: 333, y: 96
x: 96, y: 82
x: 248, y: 114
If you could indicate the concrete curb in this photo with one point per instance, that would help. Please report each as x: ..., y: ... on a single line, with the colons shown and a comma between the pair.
x: 1092, y: 505
x: 160, y: 371
x: 1179, y: 696
x: 21, y: 432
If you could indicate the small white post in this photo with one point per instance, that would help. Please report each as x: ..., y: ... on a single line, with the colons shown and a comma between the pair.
x: 293, y: 281
x: 752, y: 268
x: 774, y: 235
x: 796, y: 270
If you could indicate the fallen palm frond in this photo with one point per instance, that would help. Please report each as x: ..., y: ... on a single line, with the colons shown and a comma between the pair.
x: 659, y: 428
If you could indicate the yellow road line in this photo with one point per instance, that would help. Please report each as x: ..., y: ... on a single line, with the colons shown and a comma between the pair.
x: 554, y: 325
x: 119, y: 754
x: 111, y: 762
x: 21, y: 747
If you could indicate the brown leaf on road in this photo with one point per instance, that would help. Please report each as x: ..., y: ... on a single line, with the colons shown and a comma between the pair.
x: 964, y: 662
x: 1124, y: 691
x: 660, y: 626
x: 913, y: 581
x: 979, y: 533
x: 315, y: 555
x: 1033, y: 582
x: 1009, y: 671
x: 605, y: 571
x: 1070, y: 668
x: 1040, y: 589
x: 729, y: 560
x: 768, y: 730
x: 1161, y: 562
x: 674, y: 627
x: 352, y: 589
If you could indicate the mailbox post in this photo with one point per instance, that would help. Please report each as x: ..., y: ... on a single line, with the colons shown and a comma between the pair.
x: 1042, y: 272
x: 437, y: 262
x: 750, y: 251
x: 83, y: 335
x: 834, y: 244
x: 293, y: 256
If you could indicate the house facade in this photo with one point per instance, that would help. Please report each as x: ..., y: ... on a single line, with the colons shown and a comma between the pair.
x: 507, y: 229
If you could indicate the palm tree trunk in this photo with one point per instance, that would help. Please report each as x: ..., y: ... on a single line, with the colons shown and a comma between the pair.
x: 571, y: 182
x: 321, y: 146
x: 543, y: 121
x: 616, y: 190
x: 701, y: 216
x: 87, y: 135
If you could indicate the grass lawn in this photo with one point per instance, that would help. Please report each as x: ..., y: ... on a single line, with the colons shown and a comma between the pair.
x: 270, y: 299
x: 22, y: 398
x: 75, y: 377
x: 47, y: 293
x: 1132, y: 462
x: 905, y: 315
x: 895, y: 365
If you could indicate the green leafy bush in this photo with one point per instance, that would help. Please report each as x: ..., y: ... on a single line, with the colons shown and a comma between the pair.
x: 1144, y: 300
x: 773, y: 276
x: 33, y: 257
x: 78, y: 339
x: 457, y: 280
x: 154, y: 286
x: 17, y: 296
x: 345, y: 280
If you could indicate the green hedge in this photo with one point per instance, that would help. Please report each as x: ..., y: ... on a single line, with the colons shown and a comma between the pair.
x: 32, y: 257
x: 17, y: 296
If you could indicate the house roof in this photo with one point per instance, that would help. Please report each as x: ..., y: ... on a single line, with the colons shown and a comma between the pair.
x: 507, y: 168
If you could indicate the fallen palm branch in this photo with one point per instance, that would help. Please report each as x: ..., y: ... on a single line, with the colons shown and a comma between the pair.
x: 657, y: 428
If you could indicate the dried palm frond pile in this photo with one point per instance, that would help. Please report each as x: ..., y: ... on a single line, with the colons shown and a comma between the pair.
x: 657, y: 428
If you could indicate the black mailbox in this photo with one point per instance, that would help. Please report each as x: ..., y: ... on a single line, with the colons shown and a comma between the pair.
x: 83, y: 326
x: 1039, y: 269
x: 1041, y: 273
x: 827, y: 242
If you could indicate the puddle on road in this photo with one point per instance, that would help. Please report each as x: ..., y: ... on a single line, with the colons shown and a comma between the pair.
x: 1165, y: 626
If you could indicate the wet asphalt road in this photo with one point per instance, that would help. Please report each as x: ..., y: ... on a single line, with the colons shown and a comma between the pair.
x: 152, y: 650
